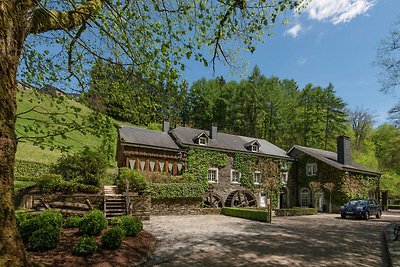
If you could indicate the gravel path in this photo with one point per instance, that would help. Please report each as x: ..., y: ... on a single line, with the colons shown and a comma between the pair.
x: 216, y: 240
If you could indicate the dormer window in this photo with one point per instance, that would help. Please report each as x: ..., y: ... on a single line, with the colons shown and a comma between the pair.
x: 253, y: 146
x: 203, y: 141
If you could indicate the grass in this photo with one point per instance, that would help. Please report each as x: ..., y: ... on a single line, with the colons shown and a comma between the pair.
x: 44, y: 104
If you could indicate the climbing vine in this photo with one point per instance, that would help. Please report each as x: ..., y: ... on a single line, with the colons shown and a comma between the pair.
x: 241, y: 163
x: 200, y: 160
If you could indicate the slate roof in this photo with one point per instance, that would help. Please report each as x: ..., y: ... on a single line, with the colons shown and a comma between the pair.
x: 330, y: 158
x: 227, y: 142
x: 146, y: 138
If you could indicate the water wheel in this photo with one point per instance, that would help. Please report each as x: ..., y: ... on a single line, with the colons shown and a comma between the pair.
x: 241, y: 198
x: 212, y: 200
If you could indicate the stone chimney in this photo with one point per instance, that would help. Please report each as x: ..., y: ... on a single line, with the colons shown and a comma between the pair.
x: 344, y: 150
x: 213, y: 132
x: 165, y: 127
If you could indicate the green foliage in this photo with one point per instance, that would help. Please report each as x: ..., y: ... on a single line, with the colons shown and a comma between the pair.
x: 175, y: 191
x: 200, y: 160
x: 92, y: 223
x: 296, y: 211
x: 112, y: 238
x: 28, y: 225
x: 20, y: 185
x: 261, y: 215
x: 159, y: 177
x: 72, y: 222
x: 137, y: 181
x: 85, y: 246
x: 44, y: 238
x: 29, y: 171
x: 22, y: 217
x: 131, y: 225
x: 242, y: 163
x: 55, y: 183
x: 86, y: 167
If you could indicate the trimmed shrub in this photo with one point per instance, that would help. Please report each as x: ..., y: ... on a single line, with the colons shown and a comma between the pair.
x: 85, y: 246
x: 45, y: 238
x: 261, y: 215
x: 48, y: 218
x: 113, y: 237
x: 92, y: 223
x: 296, y: 211
x: 86, y: 167
x: 394, y: 207
x: 55, y: 183
x: 131, y: 225
x: 22, y: 217
x: 72, y: 222
x: 137, y: 181
x: 175, y: 191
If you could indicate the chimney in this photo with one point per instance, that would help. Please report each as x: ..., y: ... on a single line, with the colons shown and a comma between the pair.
x: 213, y: 132
x: 165, y: 127
x: 344, y: 150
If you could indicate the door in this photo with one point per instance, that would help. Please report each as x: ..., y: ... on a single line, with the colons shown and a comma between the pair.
x: 320, y: 201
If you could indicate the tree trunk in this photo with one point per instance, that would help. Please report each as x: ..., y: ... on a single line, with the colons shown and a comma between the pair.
x: 12, y: 35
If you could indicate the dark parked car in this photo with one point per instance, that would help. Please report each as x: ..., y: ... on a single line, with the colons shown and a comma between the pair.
x: 361, y: 208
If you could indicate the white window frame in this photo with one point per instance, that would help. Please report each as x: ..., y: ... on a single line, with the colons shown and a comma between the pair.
x: 203, y: 141
x: 216, y: 175
x: 233, y: 181
x: 254, y: 148
x: 284, y: 177
x: 305, y: 198
x: 311, y: 169
x: 254, y: 177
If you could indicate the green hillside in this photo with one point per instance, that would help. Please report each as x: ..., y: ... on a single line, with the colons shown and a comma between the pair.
x: 34, y: 107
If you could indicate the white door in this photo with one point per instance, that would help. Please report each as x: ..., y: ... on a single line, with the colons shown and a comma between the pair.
x: 320, y: 199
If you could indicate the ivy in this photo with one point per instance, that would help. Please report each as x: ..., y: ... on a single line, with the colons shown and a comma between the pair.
x: 30, y: 171
x: 175, y: 191
x: 200, y: 160
x: 241, y: 163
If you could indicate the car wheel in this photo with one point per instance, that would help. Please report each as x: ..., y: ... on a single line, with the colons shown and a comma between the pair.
x: 379, y: 214
x: 366, y: 215
x: 343, y: 216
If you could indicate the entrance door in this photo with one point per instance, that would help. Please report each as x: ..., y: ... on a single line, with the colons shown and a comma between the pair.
x: 320, y: 201
x: 283, y: 198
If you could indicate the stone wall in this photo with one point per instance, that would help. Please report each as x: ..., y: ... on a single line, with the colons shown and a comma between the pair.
x: 174, y: 207
x: 140, y: 205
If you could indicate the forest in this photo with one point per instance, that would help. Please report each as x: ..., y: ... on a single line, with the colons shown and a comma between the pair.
x: 264, y: 107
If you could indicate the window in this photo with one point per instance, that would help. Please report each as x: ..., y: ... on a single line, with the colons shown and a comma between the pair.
x: 283, y: 165
x: 284, y: 177
x: 203, y: 141
x: 305, y: 197
x: 254, y: 148
x: 257, y: 177
x: 311, y: 169
x: 213, y: 175
x: 235, y: 177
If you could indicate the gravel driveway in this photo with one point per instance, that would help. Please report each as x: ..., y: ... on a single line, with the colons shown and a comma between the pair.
x: 216, y: 240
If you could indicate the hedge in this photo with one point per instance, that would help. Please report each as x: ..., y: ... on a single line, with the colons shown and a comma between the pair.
x: 394, y: 207
x: 296, y: 211
x: 176, y: 191
x: 29, y: 171
x: 261, y: 215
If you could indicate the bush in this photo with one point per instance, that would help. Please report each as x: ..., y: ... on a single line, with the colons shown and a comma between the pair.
x: 85, y: 246
x: 86, y: 167
x: 72, y: 222
x: 130, y: 224
x: 175, y: 191
x: 55, y: 183
x: 296, y: 211
x: 44, y: 238
x: 48, y: 218
x: 92, y: 223
x: 261, y: 215
x: 137, y: 181
x: 113, y: 238
x: 22, y: 217
x: 29, y: 171
x: 394, y: 207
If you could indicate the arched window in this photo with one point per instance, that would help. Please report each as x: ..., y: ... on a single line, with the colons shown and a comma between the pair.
x: 305, y: 197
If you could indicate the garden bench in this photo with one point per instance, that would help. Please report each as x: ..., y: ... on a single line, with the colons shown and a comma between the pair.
x: 396, y: 232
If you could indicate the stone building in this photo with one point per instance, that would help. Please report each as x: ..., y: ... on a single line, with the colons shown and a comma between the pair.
x: 350, y: 178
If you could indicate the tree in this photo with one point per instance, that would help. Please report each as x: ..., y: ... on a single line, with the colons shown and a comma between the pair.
x: 152, y: 37
x: 329, y: 187
x: 315, y: 187
x: 361, y: 121
x: 388, y: 59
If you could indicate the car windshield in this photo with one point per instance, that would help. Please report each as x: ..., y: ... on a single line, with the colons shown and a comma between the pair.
x: 357, y: 202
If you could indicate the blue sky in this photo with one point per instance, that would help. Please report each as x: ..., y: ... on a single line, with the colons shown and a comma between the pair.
x: 331, y: 41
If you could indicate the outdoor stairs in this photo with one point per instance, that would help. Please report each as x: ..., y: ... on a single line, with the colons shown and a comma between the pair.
x: 114, y: 204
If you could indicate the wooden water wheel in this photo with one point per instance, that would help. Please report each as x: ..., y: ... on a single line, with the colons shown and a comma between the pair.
x: 241, y: 198
x: 212, y: 200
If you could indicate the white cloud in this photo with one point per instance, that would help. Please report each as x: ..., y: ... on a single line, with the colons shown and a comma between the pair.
x: 294, y: 31
x: 337, y: 11
x: 301, y: 61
